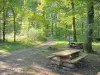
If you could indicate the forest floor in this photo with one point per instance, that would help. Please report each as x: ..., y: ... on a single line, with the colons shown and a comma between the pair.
x: 33, y: 61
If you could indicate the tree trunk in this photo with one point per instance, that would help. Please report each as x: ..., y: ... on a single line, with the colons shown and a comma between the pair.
x: 66, y: 31
x: 4, y: 20
x: 90, y: 28
x: 14, y: 18
x: 0, y: 32
x: 46, y: 30
x: 73, y: 24
x: 82, y: 27
x: 52, y: 25
x: 14, y: 30
x: 56, y: 18
x: 74, y: 30
x: 82, y: 20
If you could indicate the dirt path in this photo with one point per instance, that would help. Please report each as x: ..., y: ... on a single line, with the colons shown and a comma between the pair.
x: 13, y: 63
x: 33, y: 61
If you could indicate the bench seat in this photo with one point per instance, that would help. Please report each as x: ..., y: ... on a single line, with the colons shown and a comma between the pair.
x: 77, y: 59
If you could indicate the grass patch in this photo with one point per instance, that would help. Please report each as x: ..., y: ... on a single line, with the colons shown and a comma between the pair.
x: 10, y: 46
x: 96, y: 44
x: 60, y: 44
x: 96, y: 47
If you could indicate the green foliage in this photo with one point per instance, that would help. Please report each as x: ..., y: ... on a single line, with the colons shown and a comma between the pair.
x: 36, y: 34
x: 9, y: 46
x: 40, y: 19
x: 60, y: 44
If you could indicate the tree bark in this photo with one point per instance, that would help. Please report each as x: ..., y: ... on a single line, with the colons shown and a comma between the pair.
x: 66, y: 31
x: 14, y: 29
x: 52, y: 24
x: 46, y: 30
x: 82, y: 27
x: 14, y: 21
x: 82, y: 23
x: 73, y: 24
x: 90, y: 28
x: 4, y: 20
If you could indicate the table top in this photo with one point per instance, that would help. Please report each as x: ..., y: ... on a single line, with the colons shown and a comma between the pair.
x: 66, y: 52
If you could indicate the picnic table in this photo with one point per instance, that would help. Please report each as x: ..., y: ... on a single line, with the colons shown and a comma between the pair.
x: 77, y: 45
x: 66, y: 57
x: 98, y: 39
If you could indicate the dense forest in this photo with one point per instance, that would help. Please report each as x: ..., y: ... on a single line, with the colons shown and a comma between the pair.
x: 31, y: 20
x: 49, y: 37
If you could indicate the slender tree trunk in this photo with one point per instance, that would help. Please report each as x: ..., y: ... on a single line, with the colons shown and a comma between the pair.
x: 54, y: 18
x: 14, y: 18
x: 52, y: 25
x: 82, y: 27
x: 73, y: 24
x: 66, y: 32
x: 0, y: 32
x: 82, y: 23
x: 90, y: 28
x: 74, y: 30
x: 14, y: 30
x: 55, y: 22
x: 98, y: 32
x: 47, y: 30
x: 46, y: 25
x: 4, y: 20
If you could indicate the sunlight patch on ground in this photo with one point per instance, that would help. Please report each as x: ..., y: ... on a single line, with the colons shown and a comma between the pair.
x: 4, y: 53
x: 61, y: 42
x: 96, y: 44
x: 3, y: 65
x: 19, y: 59
x: 11, y: 69
x: 98, y: 73
x: 36, y: 69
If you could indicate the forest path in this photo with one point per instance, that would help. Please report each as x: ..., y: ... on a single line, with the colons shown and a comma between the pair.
x: 15, y: 62
x: 33, y: 61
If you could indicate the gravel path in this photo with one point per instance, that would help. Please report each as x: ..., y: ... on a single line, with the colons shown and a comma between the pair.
x: 33, y: 61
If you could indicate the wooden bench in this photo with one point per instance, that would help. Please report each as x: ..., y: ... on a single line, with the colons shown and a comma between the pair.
x: 76, y: 60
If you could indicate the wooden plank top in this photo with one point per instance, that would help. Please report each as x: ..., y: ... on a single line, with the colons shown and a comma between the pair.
x: 66, y: 52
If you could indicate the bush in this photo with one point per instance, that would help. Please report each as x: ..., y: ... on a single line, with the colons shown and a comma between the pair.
x: 36, y: 35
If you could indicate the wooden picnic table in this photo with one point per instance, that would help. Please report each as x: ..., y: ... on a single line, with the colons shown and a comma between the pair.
x: 77, y: 45
x: 68, y: 56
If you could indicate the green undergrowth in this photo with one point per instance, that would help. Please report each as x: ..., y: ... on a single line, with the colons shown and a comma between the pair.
x: 96, y: 47
x: 59, y: 44
x: 10, y: 46
x: 64, y: 43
